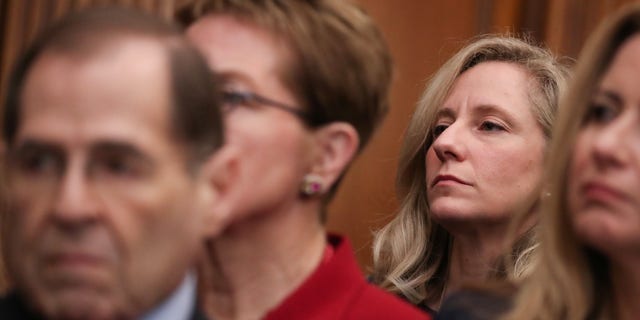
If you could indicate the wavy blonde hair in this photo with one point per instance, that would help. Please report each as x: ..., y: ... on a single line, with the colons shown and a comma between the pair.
x: 571, y: 281
x: 411, y: 253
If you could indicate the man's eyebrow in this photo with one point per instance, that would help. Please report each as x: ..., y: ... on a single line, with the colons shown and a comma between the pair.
x: 124, y: 148
x: 35, y: 144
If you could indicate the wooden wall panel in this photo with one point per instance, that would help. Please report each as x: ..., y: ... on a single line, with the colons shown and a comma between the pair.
x: 571, y: 21
x: 60, y: 8
x: 10, y: 40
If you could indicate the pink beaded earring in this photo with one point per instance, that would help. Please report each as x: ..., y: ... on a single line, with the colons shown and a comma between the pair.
x: 311, y: 185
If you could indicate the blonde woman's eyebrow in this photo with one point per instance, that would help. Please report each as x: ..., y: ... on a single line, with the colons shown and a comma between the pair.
x: 447, y: 113
x: 491, y: 109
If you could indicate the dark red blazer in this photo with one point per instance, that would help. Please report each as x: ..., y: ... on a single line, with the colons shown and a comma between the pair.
x: 338, y: 290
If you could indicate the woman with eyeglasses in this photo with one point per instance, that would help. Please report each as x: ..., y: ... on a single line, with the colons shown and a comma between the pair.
x: 306, y: 85
x: 472, y: 157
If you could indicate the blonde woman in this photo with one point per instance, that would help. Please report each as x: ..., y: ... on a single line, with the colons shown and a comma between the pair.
x: 472, y: 156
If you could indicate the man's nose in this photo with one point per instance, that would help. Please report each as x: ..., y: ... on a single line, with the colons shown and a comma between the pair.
x: 75, y: 202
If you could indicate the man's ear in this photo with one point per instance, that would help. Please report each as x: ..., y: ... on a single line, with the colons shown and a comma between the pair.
x: 336, y: 145
x: 220, y: 173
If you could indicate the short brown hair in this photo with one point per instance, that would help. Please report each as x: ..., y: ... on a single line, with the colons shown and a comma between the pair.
x: 341, y: 69
x: 197, y: 120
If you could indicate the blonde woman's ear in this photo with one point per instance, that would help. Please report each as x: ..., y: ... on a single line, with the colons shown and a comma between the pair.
x: 336, y: 145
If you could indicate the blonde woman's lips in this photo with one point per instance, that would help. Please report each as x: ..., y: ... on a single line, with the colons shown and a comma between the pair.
x: 448, y: 179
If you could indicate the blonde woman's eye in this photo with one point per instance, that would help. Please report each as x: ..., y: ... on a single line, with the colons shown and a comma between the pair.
x: 491, y: 126
x: 439, y: 129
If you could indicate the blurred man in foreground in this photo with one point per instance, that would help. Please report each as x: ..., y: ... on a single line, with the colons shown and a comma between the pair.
x: 111, y: 125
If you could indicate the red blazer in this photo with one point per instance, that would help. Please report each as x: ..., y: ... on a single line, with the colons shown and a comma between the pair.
x: 338, y: 290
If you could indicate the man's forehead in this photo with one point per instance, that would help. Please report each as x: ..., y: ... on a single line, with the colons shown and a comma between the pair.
x: 132, y: 50
x: 127, y: 71
x: 116, y: 93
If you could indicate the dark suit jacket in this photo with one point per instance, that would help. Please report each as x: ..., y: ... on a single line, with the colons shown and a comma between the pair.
x: 13, y: 307
x: 474, y: 305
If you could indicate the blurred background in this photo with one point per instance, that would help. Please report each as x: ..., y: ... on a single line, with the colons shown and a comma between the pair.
x: 422, y: 34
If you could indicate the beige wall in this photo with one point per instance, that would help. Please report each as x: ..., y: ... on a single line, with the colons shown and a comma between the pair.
x: 421, y: 33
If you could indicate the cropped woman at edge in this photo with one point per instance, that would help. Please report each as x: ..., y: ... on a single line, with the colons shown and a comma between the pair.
x: 472, y: 156
x: 589, y: 262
